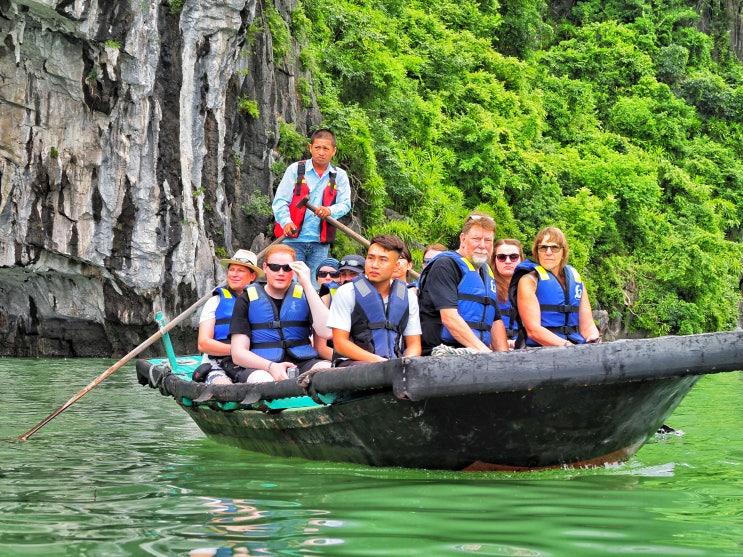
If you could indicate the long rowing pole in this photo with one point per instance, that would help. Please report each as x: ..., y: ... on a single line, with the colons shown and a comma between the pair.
x: 304, y: 202
x: 110, y: 371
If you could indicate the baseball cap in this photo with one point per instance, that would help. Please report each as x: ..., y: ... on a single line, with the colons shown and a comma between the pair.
x: 352, y: 262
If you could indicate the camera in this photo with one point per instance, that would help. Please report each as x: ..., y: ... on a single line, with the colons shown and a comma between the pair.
x: 292, y: 372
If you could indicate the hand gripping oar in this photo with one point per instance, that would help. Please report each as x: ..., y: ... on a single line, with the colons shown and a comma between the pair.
x: 304, y: 202
x: 110, y: 371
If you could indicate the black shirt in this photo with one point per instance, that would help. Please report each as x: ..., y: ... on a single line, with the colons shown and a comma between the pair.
x: 240, y: 323
x: 439, y: 290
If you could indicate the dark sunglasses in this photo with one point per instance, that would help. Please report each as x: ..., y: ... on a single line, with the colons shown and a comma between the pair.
x: 331, y: 274
x: 275, y: 267
x: 503, y: 256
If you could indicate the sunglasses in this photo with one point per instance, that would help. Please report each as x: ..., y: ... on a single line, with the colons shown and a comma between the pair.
x: 503, y: 256
x: 542, y: 248
x: 479, y: 217
x: 275, y: 267
x: 331, y: 274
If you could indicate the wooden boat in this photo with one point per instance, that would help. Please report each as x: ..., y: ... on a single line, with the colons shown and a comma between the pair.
x: 535, y: 408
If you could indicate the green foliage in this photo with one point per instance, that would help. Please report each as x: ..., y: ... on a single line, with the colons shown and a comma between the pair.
x: 254, y: 30
x: 175, y: 6
x: 305, y: 92
x: 619, y: 122
x: 292, y: 144
x: 258, y: 205
x: 280, y: 36
x: 523, y: 29
x: 604, y: 54
x: 112, y: 44
x: 653, y: 117
x: 249, y: 107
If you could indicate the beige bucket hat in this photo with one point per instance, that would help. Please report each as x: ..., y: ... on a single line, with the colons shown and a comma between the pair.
x: 246, y: 258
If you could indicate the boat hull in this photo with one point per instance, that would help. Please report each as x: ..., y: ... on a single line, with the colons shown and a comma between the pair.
x: 498, y: 431
x: 527, y: 409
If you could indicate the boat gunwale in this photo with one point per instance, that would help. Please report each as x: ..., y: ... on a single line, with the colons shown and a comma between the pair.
x: 420, y: 378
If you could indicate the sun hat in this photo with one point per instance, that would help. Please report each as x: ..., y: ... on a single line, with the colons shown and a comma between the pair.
x: 246, y: 258
x: 329, y: 262
x: 352, y: 262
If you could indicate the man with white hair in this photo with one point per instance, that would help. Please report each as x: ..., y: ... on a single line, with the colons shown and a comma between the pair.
x: 458, y: 303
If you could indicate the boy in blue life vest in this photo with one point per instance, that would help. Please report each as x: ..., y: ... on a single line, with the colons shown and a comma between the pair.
x: 375, y: 317
x: 271, y: 325
x: 458, y: 295
x: 214, y: 323
x: 328, y: 189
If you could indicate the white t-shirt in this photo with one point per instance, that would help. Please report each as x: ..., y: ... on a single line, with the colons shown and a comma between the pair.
x: 344, y: 303
x: 209, y: 311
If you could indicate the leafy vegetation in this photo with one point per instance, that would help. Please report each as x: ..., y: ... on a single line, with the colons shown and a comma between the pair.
x: 249, y: 107
x: 620, y: 123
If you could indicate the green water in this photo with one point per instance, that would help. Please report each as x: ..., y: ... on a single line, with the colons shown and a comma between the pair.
x: 125, y: 472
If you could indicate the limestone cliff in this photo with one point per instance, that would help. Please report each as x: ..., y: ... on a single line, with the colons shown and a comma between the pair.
x: 125, y: 161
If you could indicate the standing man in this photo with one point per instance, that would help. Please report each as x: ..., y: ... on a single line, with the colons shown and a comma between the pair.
x: 328, y: 188
x: 375, y: 317
x: 214, y: 323
x: 271, y: 326
x: 458, y: 302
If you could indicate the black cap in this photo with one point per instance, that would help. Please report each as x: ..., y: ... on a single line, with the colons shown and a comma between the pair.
x: 352, y: 262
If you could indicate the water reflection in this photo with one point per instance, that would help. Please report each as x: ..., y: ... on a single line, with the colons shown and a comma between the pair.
x: 265, y: 527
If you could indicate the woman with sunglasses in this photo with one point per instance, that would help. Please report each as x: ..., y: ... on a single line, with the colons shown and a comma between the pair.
x: 551, y: 298
x: 327, y: 272
x: 328, y: 277
x: 507, y: 254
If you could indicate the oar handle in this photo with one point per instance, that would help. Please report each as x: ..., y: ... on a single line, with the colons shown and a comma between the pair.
x: 352, y: 233
x: 355, y: 235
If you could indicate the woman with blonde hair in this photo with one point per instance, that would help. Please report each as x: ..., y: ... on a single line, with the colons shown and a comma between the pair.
x: 552, y: 301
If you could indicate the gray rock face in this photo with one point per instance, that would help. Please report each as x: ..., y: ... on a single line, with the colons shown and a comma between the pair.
x: 125, y: 162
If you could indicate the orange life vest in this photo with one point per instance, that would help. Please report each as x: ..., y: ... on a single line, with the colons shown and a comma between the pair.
x: 301, y: 189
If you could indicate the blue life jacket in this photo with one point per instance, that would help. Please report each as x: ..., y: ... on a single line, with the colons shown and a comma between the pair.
x: 558, y: 306
x: 508, y: 316
x: 374, y: 329
x: 275, y: 334
x: 477, y: 299
x: 223, y: 313
x: 329, y: 288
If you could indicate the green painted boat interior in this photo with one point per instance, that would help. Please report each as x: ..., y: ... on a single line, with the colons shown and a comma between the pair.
x: 185, y: 366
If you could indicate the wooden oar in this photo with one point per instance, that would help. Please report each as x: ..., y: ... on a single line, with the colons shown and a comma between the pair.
x: 110, y: 371
x: 304, y: 202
